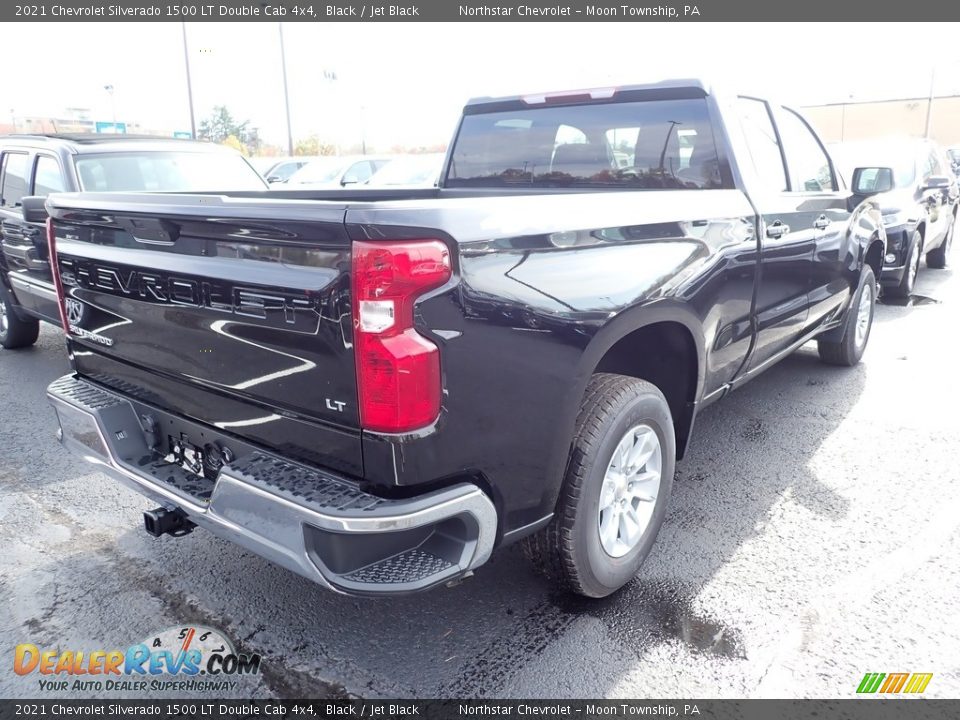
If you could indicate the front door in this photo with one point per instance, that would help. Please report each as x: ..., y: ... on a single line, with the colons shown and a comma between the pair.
x: 822, y: 213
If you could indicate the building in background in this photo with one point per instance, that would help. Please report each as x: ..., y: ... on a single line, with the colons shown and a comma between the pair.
x: 75, y: 120
x: 856, y: 120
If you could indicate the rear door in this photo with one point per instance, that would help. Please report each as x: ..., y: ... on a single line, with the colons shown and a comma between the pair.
x: 14, y: 183
x: 788, y: 237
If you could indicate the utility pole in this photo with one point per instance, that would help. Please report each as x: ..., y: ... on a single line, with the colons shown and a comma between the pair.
x: 933, y: 76
x: 186, y: 62
x: 113, y: 105
x: 286, y: 91
x: 363, y: 129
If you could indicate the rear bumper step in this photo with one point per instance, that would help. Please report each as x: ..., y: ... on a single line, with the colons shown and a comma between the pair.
x: 305, y: 519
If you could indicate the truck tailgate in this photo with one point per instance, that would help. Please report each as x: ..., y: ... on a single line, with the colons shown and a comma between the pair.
x: 240, y: 313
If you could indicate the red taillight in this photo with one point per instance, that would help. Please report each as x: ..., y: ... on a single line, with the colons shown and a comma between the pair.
x: 55, y: 271
x: 398, y: 370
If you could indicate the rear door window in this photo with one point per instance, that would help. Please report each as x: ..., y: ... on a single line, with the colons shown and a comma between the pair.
x: 763, y: 143
x: 47, y: 176
x: 14, y: 182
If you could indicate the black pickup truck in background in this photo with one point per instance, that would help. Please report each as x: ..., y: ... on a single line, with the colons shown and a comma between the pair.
x: 375, y: 389
x: 918, y: 200
x: 33, y: 166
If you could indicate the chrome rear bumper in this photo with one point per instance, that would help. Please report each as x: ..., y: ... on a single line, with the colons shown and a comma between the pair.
x: 305, y: 519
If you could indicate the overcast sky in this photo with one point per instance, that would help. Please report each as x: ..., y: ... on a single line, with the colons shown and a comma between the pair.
x: 406, y: 82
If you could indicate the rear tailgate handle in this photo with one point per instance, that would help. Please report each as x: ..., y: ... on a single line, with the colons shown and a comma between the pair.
x: 151, y: 231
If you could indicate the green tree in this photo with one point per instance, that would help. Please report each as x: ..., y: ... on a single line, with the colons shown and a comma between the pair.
x: 220, y: 126
x: 313, y: 146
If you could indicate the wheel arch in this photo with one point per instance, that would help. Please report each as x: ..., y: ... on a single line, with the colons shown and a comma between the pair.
x: 874, y: 254
x: 676, y: 333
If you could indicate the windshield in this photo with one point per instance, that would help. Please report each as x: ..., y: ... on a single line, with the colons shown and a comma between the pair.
x: 416, y: 170
x: 902, y: 159
x: 166, y: 172
x: 653, y: 144
x: 318, y: 171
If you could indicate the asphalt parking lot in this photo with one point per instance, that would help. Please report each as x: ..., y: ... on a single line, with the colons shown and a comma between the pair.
x: 813, y: 536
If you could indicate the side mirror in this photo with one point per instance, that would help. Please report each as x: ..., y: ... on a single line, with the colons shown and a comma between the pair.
x: 274, y: 179
x: 34, y: 209
x: 934, y: 182
x: 346, y: 182
x: 872, y: 180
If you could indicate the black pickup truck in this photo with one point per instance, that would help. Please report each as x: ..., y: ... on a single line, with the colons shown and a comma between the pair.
x: 376, y: 389
x: 33, y: 166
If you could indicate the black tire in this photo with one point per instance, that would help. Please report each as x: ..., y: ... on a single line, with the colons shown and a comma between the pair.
x: 15, y: 332
x: 849, y: 349
x: 909, y: 279
x: 569, y: 550
x: 937, y: 259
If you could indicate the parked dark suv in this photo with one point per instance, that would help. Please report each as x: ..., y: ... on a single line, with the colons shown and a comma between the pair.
x: 33, y: 166
x: 914, y: 183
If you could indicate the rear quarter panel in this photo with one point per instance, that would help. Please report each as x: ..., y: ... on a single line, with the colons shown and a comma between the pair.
x: 543, y: 286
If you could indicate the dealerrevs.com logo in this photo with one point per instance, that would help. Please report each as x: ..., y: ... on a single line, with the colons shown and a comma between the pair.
x: 179, y: 658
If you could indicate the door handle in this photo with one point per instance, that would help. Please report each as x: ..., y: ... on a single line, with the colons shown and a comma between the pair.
x: 777, y: 229
x: 822, y: 222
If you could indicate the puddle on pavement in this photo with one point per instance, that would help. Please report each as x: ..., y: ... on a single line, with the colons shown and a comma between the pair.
x: 909, y: 301
x: 645, y: 613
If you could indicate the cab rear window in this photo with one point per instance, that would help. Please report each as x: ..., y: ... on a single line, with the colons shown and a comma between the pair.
x: 653, y: 144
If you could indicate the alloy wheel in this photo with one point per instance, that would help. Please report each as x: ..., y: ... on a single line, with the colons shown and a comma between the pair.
x: 914, y: 267
x: 864, y: 315
x: 629, y: 492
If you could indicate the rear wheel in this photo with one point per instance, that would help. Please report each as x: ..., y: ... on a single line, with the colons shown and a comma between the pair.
x: 937, y: 259
x: 14, y: 332
x: 909, y: 279
x: 857, y: 325
x: 614, y: 496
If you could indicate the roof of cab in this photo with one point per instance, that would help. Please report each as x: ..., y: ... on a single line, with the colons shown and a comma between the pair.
x: 696, y: 86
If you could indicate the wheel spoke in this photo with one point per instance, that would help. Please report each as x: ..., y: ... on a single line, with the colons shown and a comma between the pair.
x: 645, y: 490
x: 630, y: 529
x: 607, y: 495
x: 608, y: 530
x: 623, y: 453
x: 642, y: 449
